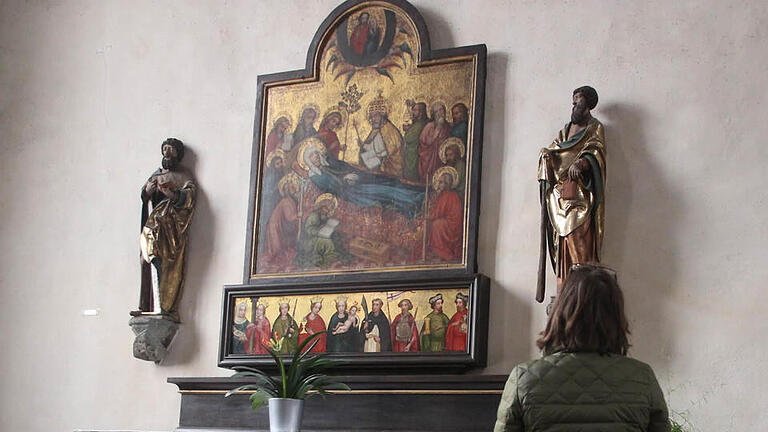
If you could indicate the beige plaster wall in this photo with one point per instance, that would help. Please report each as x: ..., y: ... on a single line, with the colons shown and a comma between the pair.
x: 88, y: 90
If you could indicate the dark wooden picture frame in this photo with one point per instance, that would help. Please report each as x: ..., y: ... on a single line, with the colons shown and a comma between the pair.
x: 476, y: 287
x: 425, y: 57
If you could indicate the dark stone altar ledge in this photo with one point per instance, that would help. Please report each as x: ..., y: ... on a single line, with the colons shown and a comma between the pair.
x: 364, y: 382
x: 423, y: 403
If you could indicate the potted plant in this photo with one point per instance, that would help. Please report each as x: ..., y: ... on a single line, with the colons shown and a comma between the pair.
x: 300, y: 380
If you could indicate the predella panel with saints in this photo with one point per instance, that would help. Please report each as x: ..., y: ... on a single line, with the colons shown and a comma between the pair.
x: 366, y: 165
x: 423, y: 321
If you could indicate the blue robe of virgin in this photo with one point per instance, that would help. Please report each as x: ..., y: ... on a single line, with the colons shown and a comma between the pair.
x: 370, y: 189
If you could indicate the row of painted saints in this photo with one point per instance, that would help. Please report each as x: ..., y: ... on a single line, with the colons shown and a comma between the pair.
x: 347, y: 332
x: 401, y: 202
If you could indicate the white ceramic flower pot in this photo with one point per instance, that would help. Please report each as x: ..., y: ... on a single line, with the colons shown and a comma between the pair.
x: 285, y: 414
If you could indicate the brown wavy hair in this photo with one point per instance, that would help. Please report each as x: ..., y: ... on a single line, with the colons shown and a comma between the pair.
x: 588, y: 315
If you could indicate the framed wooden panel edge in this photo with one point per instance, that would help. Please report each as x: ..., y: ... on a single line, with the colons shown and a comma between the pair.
x: 478, y: 286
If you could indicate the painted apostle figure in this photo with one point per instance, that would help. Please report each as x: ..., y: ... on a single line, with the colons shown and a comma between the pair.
x: 273, y: 172
x: 327, y: 134
x: 434, y: 327
x: 452, y: 155
x: 376, y: 329
x: 460, y: 125
x: 278, y: 135
x: 446, y: 216
x: 411, y: 133
x: 403, y: 328
x: 320, y: 244
x: 280, y: 247
x: 456, y: 335
x: 572, y: 184
x: 306, y: 125
x: 430, y: 139
x: 164, y: 232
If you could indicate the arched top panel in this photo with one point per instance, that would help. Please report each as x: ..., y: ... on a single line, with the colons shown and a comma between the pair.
x: 338, y: 154
x: 368, y: 36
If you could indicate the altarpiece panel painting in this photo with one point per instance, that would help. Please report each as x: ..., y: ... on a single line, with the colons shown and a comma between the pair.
x: 365, y: 184
x: 367, y: 166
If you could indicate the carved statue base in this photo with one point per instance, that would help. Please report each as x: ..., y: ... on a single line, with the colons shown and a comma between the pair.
x: 154, y: 333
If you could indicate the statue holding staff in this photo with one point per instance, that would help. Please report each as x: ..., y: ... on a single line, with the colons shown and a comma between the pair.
x: 168, y: 204
x: 164, y: 232
x: 571, y: 178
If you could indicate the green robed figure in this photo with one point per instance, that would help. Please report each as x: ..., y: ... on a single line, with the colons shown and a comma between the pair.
x: 285, y: 327
x: 434, y: 327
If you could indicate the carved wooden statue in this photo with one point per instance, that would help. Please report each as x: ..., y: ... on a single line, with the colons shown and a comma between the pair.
x: 572, y: 184
x: 168, y: 203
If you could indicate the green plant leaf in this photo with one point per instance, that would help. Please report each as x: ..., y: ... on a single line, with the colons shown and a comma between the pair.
x: 307, y: 384
x: 242, y: 388
x: 265, y: 382
x: 301, y: 378
x: 261, y: 377
x: 259, y: 398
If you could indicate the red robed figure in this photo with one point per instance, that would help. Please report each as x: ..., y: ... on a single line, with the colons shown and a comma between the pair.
x: 455, y: 338
x: 446, y: 219
x: 359, y: 38
x: 282, y: 229
x: 331, y: 141
x: 257, y: 333
x: 316, y: 325
x: 398, y: 346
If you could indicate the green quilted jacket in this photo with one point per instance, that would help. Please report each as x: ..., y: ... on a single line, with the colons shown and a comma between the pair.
x: 582, y: 392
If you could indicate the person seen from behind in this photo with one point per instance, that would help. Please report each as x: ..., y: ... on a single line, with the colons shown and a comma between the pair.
x: 584, y: 381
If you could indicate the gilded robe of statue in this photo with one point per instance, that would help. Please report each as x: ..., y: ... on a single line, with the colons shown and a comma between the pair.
x: 164, y: 236
x: 575, y: 207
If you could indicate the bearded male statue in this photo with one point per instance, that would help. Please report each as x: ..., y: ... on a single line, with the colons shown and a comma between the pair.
x: 164, y: 233
x: 572, y: 185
